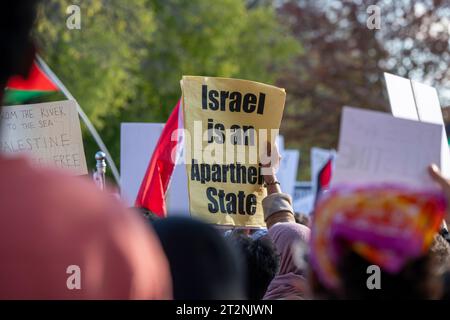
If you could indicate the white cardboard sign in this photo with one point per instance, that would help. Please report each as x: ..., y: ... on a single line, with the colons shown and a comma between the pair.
x: 375, y: 147
x: 417, y: 101
x: 287, y: 174
x: 401, y: 97
x: 48, y: 133
x: 137, y: 142
x: 429, y: 110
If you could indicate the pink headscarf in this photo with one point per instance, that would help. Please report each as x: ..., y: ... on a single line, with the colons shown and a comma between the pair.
x: 50, y: 221
x: 290, y: 280
x: 388, y: 225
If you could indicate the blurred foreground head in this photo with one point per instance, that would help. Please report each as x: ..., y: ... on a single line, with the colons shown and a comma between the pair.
x: 60, y: 237
x: 51, y: 222
x: 203, y: 265
x: 364, y: 238
x: 16, y: 49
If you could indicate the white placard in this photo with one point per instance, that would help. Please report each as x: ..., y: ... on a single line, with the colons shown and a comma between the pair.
x: 375, y: 147
x: 48, y: 133
x: 303, y: 201
x: 401, y: 97
x: 429, y: 109
x: 287, y: 174
x: 304, y: 205
x: 137, y: 142
x: 427, y: 102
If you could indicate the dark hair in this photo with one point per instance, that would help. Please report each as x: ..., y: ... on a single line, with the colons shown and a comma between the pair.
x: 441, y: 250
x: 262, y: 263
x: 203, y: 265
x: 16, y: 49
x: 419, y: 279
x: 301, y: 218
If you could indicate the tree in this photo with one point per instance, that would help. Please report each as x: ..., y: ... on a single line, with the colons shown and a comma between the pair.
x: 214, y: 38
x: 344, y: 61
x: 99, y: 63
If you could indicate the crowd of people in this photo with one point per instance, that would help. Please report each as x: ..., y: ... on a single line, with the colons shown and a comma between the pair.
x: 50, y: 221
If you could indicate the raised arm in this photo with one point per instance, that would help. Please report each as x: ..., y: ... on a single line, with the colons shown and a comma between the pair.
x: 277, y: 206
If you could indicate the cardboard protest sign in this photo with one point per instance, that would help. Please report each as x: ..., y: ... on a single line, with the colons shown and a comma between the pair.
x: 137, y: 143
x: 429, y: 110
x: 227, y: 121
x: 401, y: 97
x: 417, y: 101
x: 427, y: 102
x: 375, y: 147
x: 287, y: 174
x: 49, y: 133
x: 303, y: 200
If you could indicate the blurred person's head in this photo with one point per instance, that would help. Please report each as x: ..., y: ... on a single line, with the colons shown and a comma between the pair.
x: 301, y: 218
x: 203, y: 265
x: 16, y: 49
x: 52, y: 225
x: 261, y: 261
x: 440, y: 249
x: 67, y: 240
x: 290, y: 240
x: 259, y: 234
x: 235, y: 232
x: 376, y: 242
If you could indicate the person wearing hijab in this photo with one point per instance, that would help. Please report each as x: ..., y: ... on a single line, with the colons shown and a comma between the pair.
x: 203, y: 265
x: 60, y: 236
x: 289, y: 283
x: 374, y: 242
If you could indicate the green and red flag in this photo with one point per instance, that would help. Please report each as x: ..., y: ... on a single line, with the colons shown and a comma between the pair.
x: 19, y: 89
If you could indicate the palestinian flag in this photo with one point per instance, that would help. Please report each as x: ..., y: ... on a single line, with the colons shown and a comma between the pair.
x: 19, y: 89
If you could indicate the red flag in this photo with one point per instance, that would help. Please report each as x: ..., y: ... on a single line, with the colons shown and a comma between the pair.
x: 324, y: 176
x: 154, y: 186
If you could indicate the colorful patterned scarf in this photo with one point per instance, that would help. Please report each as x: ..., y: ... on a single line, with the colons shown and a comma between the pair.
x: 387, y: 225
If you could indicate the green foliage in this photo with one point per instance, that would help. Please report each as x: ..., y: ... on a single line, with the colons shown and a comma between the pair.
x: 126, y: 62
x: 214, y: 38
x: 99, y: 62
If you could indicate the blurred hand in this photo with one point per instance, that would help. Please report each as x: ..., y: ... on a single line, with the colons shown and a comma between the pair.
x: 436, y: 175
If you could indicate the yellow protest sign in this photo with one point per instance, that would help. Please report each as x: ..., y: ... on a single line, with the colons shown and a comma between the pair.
x: 226, y: 123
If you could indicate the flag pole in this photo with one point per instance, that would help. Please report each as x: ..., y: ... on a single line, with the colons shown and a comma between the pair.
x: 83, y: 117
